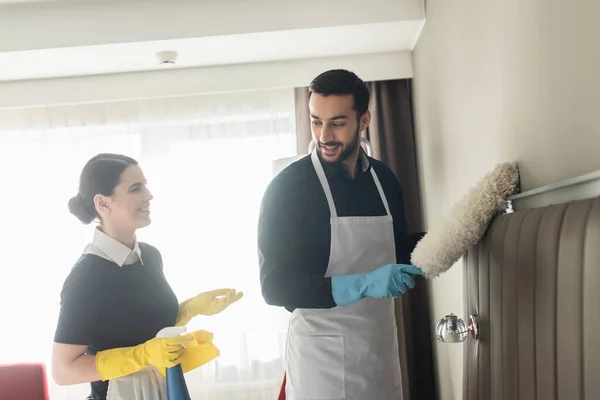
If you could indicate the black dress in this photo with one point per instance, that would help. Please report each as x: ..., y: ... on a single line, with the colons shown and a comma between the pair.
x: 105, y: 306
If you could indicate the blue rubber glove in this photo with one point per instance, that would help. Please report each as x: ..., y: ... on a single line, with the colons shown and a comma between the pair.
x: 391, y: 280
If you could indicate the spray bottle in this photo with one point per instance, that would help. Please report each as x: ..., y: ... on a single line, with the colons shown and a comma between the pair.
x: 176, y: 386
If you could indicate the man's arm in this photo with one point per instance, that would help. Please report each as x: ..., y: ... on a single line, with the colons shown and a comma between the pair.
x: 405, y: 242
x: 289, y: 276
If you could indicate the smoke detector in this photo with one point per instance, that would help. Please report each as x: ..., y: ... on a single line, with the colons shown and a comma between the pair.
x: 166, y: 57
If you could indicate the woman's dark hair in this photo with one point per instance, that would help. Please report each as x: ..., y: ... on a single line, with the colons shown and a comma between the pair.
x: 340, y: 82
x: 100, y: 175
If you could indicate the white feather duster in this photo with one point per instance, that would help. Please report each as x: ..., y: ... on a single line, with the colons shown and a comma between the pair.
x: 467, y: 221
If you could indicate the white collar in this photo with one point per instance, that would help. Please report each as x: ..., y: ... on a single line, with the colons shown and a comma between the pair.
x: 113, y: 249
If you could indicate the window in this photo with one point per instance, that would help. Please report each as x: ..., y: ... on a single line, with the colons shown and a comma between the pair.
x: 208, y: 162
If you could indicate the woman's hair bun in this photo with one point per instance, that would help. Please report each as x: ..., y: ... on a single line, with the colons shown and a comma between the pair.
x: 78, y: 209
x: 100, y: 175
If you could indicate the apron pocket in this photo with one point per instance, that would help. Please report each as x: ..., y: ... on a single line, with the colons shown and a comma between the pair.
x: 318, y: 367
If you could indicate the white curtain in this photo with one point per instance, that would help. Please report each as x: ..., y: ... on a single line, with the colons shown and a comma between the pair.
x: 208, y: 161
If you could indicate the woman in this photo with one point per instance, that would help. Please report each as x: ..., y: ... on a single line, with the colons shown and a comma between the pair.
x: 116, y: 298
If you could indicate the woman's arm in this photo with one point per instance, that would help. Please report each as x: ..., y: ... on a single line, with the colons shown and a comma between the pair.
x: 70, y: 365
x: 76, y: 327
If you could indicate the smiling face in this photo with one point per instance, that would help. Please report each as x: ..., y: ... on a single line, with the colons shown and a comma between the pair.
x: 336, y: 127
x: 128, y: 209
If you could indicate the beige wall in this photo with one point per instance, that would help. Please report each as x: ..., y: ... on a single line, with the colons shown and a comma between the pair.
x: 495, y: 81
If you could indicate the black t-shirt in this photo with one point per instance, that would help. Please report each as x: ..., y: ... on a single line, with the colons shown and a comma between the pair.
x: 294, y: 230
x: 105, y: 306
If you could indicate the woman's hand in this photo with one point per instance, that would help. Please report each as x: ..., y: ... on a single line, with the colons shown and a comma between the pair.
x: 197, y: 352
x: 207, y: 303
x: 157, y: 352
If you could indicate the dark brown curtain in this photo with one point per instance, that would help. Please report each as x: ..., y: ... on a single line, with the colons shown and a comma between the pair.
x: 391, y: 133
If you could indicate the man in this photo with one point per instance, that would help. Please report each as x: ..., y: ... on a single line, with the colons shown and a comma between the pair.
x: 332, y: 247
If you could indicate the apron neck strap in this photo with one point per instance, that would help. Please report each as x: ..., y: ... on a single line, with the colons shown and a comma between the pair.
x: 381, y: 192
x: 323, y: 179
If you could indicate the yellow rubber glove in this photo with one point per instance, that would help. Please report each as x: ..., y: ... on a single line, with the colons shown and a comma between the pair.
x: 207, y: 303
x: 161, y: 353
x: 197, y: 352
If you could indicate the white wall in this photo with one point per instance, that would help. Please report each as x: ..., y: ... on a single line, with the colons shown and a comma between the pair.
x: 501, y: 80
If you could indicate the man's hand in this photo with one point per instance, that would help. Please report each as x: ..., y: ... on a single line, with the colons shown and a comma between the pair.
x: 391, y: 280
x: 388, y: 281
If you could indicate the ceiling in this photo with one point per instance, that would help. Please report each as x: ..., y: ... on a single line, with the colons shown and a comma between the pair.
x: 209, y: 51
x: 83, y: 38
x: 82, y: 51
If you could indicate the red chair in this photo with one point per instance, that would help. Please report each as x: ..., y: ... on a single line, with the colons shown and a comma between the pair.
x: 281, y: 391
x: 23, y: 381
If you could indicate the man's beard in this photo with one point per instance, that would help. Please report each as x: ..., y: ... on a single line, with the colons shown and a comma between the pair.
x: 346, y: 152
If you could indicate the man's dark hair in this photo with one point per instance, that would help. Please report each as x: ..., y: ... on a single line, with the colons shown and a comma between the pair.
x: 340, y: 82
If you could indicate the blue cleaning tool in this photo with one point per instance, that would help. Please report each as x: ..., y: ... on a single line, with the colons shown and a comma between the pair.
x: 176, y: 386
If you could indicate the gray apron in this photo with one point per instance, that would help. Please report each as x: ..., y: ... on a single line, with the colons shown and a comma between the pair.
x: 146, y: 384
x: 348, y: 352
